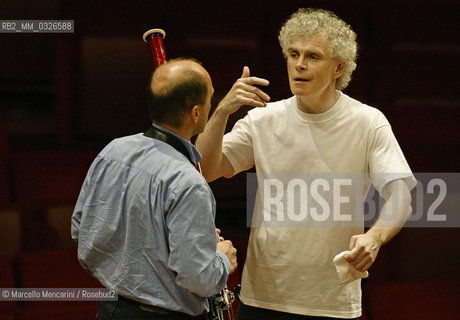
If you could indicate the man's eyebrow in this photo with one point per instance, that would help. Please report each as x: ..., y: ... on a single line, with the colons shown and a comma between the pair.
x: 308, y: 51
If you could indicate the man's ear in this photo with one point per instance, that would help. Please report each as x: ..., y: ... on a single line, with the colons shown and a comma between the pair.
x: 339, y: 70
x: 194, y: 114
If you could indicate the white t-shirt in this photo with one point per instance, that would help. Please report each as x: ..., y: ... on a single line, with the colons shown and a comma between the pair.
x: 290, y: 268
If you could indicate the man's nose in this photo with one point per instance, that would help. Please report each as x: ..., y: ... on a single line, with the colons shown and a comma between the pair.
x: 300, y: 65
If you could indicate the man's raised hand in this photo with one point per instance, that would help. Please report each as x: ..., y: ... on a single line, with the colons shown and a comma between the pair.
x: 245, y: 92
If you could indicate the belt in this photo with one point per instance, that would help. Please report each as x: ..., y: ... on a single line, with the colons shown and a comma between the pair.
x: 158, y: 310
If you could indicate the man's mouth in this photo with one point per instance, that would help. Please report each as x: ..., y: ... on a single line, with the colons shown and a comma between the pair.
x: 301, y: 79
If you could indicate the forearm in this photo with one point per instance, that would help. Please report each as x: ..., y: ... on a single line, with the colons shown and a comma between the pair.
x: 204, y: 282
x: 382, y: 235
x: 199, y: 267
x: 394, y: 213
x: 396, y: 210
x: 209, y: 142
x: 244, y: 92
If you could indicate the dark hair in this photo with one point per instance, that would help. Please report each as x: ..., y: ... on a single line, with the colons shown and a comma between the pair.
x: 178, y: 98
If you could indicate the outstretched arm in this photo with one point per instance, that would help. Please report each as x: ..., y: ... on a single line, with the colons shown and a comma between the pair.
x: 396, y: 210
x: 244, y: 92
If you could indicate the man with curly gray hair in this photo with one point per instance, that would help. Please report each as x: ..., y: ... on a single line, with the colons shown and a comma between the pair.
x: 306, y: 254
x: 342, y: 39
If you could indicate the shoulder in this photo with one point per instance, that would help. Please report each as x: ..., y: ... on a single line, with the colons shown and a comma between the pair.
x: 360, y: 111
x: 154, y: 158
x: 122, y: 144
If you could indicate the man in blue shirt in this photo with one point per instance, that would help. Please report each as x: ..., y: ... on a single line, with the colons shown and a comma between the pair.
x: 144, y: 220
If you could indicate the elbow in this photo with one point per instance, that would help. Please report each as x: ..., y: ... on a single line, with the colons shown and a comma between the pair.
x: 228, y: 174
x: 203, y: 292
x: 408, y: 211
x: 208, y: 175
x: 75, y: 230
x: 407, y: 196
x: 214, y: 170
x: 212, y: 175
x: 204, y: 282
x: 197, y: 287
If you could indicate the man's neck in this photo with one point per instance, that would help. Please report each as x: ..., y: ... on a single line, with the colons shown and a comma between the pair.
x: 318, y: 104
x: 181, y: 131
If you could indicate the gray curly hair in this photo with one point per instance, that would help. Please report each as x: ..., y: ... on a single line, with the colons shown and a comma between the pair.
x: 342, y: 39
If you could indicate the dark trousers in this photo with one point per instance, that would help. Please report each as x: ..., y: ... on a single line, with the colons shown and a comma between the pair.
x: 129, y: 309
x: 246, y: 312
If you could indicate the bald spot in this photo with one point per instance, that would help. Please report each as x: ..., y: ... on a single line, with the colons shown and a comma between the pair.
x: 168, y: 75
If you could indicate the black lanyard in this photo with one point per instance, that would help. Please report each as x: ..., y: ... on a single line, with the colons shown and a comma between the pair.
x: 168, y: 138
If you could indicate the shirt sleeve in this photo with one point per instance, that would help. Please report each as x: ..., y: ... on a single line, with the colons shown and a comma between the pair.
x: 76, y: 218
x: 198, y: 266
x: 237, y: 146
x: 78, y: 210
x: 386, y: 159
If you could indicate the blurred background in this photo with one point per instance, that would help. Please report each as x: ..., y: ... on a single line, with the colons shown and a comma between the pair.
x: 64, y: 96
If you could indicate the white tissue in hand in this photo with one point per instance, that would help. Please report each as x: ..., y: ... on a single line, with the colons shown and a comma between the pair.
x: 347, y: 273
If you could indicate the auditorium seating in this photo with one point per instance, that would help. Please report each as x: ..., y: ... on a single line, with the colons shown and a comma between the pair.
x: 5, y: 196
x: 7, y: 308
x: 427, y: 134
x: 59, y: 311
x: 54, y: 269
x: 59, y: 218
x: 413, y: 300
x: 57, y: 269
x: 44, y: 179
x: 46, y: 269
x: 10, y: 234
x: 49, y: 177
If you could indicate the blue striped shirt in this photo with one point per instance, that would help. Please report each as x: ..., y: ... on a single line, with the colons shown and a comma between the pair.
x: 144, y: 222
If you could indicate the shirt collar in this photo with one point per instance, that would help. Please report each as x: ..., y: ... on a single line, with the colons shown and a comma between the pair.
x: 192, y: 150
